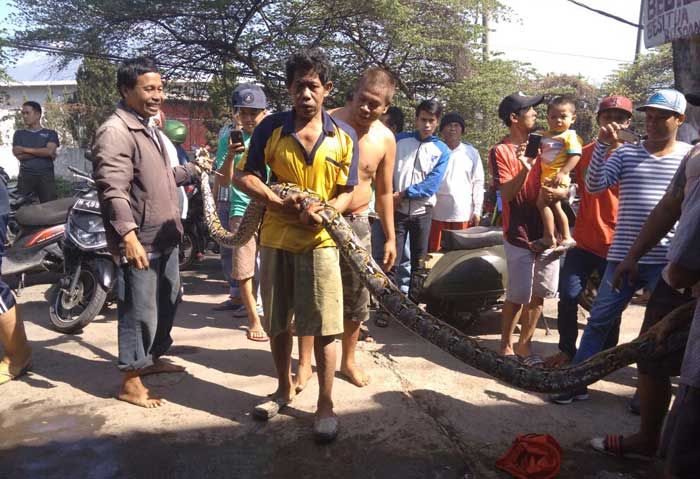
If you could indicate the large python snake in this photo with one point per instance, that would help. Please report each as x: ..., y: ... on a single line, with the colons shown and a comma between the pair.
x: 410, y: 315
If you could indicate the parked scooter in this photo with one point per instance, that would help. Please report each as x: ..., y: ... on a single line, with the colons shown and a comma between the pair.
x: 37, y: 245
x: 466, y: 277
x: 89, y: 271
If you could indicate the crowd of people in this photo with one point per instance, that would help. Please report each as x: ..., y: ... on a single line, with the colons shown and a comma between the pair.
x: 636, y: 225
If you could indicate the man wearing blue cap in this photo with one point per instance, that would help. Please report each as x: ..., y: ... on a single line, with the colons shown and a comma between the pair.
x: 249, y: 108
x: 643, y: 172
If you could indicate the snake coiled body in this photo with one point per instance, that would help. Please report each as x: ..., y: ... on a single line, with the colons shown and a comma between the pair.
x: 444, y: 336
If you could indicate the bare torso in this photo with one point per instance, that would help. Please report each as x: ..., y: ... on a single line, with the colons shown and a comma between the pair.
x: 372, y: 150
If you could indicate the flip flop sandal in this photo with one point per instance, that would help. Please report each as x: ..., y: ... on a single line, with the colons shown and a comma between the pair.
x: 6, y: 375
x: 269, y: 409
x: 567, y: 244
x: 326, y: 429
x: 257, y: 335
x: 612, y: 446
x: 540, y: 246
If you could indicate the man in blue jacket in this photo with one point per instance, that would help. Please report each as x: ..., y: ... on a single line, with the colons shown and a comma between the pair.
x: 421, y: 161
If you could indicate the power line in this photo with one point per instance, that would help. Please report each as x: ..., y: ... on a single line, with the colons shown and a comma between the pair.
x: 606, y: 14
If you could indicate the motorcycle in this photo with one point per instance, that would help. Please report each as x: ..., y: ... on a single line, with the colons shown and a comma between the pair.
x: 89, y: 271
x: 195, y: 239
x: 469, y: 275
x: 37, y: 243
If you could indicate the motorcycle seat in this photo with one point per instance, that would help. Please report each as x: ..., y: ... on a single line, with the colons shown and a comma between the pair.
x: 471, y: 238
x: 45, y: 214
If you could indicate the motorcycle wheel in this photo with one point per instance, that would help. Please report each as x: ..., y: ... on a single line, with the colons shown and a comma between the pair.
x: 71, y: 314
x: 187, y: 251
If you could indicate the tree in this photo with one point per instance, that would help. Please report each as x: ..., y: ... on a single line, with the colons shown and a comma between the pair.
x: 585, y: 94
x: 477, y: 97
x: 94, y: 99
x: 638, y: 80
x: 418, y: 41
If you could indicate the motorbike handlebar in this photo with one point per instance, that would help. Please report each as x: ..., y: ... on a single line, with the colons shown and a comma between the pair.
x: 82, y: 175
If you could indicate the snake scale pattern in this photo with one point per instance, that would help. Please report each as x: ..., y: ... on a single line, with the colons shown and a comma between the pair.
x: 432, y: 329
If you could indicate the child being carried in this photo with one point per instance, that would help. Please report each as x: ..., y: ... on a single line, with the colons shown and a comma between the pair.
x: 561, y: 150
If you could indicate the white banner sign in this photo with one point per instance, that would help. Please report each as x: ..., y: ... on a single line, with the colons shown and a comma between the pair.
x: 668, y: 20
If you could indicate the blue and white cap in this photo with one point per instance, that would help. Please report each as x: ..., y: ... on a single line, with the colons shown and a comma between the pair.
x: 667, y: 99
x: 249, y: 95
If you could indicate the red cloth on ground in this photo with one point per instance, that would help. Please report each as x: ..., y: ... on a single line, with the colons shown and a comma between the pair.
x: 532, y: 456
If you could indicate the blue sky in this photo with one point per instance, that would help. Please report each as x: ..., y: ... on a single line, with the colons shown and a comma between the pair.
x: 552, y: 35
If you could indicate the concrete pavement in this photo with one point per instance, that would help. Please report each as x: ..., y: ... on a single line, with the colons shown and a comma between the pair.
x: 424, y: 415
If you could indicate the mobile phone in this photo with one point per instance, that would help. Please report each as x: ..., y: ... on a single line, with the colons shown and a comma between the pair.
x: 628, y: 136
x: 533, y: 145
x: 235, y: 137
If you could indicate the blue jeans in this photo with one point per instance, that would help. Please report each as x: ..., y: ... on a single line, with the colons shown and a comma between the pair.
x: 416, y: 229
x: 226, y: 264
x: 147, y: 300
x: 404, y: 268
x: 608, y: 306
x: 578, y: 265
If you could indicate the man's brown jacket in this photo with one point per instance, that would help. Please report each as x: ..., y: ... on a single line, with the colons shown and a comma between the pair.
x: 136, y: 184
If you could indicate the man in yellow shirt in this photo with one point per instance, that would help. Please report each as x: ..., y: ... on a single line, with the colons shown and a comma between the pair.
x: 300, y: 271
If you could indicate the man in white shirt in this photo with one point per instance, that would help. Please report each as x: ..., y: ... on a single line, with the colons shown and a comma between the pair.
x: 461, y: 194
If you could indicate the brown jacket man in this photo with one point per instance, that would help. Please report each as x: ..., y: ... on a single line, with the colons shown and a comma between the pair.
x: 136, y: 187
x: 136, y: 184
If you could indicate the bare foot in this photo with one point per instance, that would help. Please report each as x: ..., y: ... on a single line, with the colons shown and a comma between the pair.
x: 354, y: 374
x: 161, y: 366
x: 523, y: 350
x: 302, y: 377
x: 507, y: 351
x: 134, y: 392
x: 558, y: 360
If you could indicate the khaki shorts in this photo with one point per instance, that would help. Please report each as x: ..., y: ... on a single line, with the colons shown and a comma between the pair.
x: 355, y: 295
x: 530, y: 274
x: 243, y: 257
x: 306, y: 286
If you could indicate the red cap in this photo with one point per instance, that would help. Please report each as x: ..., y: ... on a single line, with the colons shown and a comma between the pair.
x: 616, y: 102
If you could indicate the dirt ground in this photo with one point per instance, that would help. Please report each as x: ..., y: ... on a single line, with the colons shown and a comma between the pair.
x: 424, y: 415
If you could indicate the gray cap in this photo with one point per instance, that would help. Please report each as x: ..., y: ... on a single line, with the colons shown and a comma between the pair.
x: 249, y: 95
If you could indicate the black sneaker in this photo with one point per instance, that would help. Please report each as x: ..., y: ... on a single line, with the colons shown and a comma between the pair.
x: 569, y: 397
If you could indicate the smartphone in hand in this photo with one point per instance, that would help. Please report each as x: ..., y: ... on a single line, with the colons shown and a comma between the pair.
x: 235, y: 137
x: 628, y: 136
x: 533, y: 145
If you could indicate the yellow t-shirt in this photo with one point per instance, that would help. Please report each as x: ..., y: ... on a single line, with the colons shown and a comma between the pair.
x: 331, y: 163
x: 557, y: 147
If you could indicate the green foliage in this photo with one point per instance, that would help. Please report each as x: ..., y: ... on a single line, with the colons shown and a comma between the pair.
x: 94, y: 99
x: 477, y: 96
x: 637, y: 81
x: 427, y: 45
x: 219, y: 91
x: 585, y: 94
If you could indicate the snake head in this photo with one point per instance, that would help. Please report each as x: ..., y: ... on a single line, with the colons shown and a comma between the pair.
x: 203, y: 160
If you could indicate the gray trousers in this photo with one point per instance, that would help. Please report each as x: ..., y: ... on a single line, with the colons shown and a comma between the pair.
x: 146, y: 304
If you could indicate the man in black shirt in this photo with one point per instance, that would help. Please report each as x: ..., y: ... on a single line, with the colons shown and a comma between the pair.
x: 35, y: 148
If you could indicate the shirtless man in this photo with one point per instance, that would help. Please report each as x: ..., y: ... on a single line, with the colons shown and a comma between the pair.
x: 377, y: 148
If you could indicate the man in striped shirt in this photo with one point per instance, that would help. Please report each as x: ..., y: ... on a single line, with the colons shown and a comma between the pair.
x: 643, y: 172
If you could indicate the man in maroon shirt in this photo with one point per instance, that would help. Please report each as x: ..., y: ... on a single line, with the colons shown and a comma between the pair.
x: 531, y: 277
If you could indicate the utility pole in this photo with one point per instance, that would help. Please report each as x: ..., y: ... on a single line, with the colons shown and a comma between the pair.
x: 485, y: 30
x: 686, y: 71
x: 640, y: 29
